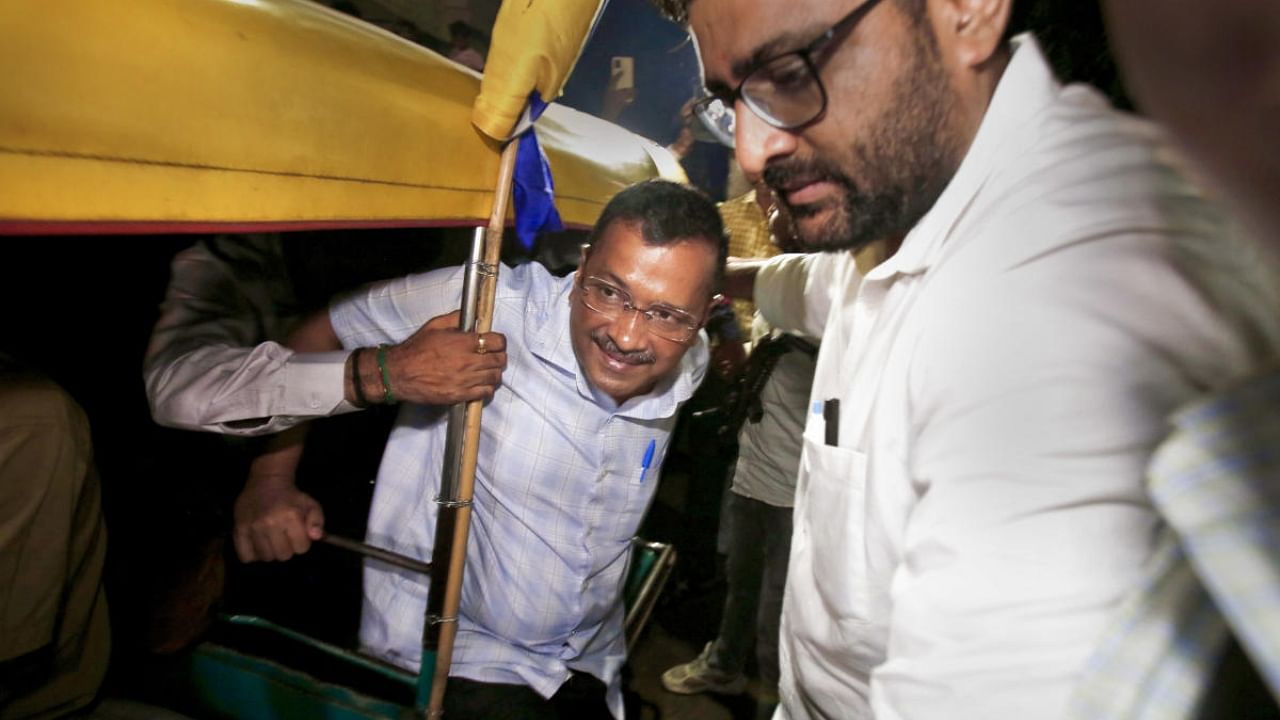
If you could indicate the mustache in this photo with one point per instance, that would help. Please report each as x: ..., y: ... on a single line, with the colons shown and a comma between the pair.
x: 631, y: 357
x: 791, y: 172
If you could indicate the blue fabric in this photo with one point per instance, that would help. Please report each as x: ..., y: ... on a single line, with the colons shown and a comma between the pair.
x: 534, y: 189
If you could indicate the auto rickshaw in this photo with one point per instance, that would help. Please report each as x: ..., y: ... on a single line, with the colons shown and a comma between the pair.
x: 233, y: 116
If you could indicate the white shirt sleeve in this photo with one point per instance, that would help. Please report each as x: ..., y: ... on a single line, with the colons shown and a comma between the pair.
x: 246, y: 391
x: 793, y: 292
x: 206, y: 366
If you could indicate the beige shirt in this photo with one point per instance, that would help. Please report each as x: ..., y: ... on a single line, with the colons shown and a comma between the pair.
x: 748, y: 230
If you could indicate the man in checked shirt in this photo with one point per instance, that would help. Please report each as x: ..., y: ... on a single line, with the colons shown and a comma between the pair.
x: 597, y: 365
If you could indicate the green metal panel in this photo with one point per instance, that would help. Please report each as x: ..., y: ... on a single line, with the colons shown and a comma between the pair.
x: 232, y: 678
x: 225, y: 683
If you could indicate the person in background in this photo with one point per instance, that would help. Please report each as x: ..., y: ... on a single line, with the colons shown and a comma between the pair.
x: 765, y: 410
x: 1197, y: 637
x: 462, y: 46
x: 704, y: 160
x: 55, y: 636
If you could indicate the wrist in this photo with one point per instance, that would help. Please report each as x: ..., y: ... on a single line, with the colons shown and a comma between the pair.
x: 384, y: 373
x: 268, y: 481
x: 353, y: 383
x: 364, y: 379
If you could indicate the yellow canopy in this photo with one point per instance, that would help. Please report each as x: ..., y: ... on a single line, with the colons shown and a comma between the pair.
x: 260, y: 113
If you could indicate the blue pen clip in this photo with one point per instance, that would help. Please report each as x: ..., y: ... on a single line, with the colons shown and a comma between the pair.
x: 648, y: 459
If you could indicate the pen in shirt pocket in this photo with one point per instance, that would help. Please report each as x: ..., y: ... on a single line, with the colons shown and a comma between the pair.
x: 831, y: 421
x: 647, y: 461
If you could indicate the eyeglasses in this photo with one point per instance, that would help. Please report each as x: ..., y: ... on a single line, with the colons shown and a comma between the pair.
x: 784, y: 91
x: 661, y: 321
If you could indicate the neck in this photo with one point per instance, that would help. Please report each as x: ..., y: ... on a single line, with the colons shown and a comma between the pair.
x: 976, y: 91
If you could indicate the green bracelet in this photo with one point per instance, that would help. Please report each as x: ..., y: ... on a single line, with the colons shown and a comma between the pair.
x: 386, y: 377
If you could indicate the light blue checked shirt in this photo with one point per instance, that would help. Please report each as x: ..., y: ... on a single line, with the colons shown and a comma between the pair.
x: 1216, y: 483
x: 558, y: 496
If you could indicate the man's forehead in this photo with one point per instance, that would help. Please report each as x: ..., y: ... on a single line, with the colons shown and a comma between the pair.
x: 732, y: 36
x: 660, y: 273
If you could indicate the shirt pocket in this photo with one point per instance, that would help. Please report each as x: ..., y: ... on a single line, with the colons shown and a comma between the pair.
x: 834, y: 516
x: 637, y: 497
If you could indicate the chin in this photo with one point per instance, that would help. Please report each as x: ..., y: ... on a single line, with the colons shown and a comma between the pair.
x: 826, y: 232
x: 620, y: 389
x: 820, y: 227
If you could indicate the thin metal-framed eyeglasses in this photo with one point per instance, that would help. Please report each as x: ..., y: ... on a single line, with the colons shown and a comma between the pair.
x: 784, y: 90
x: 664, y: 321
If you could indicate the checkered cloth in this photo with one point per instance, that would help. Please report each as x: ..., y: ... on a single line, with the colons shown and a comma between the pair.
x: 1216, y: 571
x: 560, y: 491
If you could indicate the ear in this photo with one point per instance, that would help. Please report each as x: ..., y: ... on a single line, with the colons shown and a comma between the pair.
x: 584, y: 252
x: 971, y: 29
x: 715, y: 300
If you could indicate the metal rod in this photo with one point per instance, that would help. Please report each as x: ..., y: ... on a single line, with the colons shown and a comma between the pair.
x: 454, y: 522
x: 471, y: 282
x: 453, y: 439
x: 377, y: 553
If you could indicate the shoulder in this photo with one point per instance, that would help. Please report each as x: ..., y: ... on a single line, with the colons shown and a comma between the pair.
x: 530, y: 287
x: 252, y: 255
x: 1095, y: 213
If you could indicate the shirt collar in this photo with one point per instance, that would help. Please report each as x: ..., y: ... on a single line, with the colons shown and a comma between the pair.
x: 1025, y: 90
x: 546, y: 334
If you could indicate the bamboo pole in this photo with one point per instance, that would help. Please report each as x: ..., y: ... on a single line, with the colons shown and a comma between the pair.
x: 453, y: 523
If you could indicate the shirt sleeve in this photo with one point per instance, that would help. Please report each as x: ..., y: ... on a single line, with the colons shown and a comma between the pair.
x: 793, y: 293
x: 391, y: 311
x: 207, y: 366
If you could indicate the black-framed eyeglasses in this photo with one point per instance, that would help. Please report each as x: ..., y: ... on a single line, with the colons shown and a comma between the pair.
x: 784, y: 90
x: 664, y: 321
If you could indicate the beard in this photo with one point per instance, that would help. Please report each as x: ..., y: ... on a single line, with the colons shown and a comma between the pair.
x: 907, y: 159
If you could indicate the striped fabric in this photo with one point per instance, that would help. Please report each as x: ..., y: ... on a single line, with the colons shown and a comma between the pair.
x: 1216, y: 482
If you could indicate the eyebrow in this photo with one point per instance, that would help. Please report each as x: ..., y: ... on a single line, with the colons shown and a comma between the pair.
x: 782, y: 44
x: 607, y: 275
x: 622, y: 285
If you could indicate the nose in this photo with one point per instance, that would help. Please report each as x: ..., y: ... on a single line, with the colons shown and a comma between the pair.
x: 628, y: 330
x: 757, y: 142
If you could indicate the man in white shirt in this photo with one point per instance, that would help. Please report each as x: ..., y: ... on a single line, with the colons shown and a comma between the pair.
x: 970, y: 506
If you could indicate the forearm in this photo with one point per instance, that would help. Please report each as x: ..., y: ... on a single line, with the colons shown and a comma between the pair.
x: 244, y: 391
x: 793, y: 292
x: 363, y: 383
x: 278, y: 464
x: 207, y: 366
x: 740, y: 277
